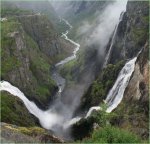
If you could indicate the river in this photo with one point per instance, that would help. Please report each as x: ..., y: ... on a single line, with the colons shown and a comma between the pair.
x: 58, y: 117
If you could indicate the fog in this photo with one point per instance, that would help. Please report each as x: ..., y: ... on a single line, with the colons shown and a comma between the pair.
x: 98, y: 32
x: 101, y: 30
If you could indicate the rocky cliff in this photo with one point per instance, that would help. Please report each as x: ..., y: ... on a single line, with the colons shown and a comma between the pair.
x: 135, y: 105
x: 132, y: 31
x: 134, y: 110
x: 131, y: 37
x: 30, y: 46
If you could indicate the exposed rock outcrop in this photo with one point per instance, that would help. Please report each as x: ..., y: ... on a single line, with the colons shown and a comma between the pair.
x: 135, y: 104
x: 132, y: 31
x: 14, y: 134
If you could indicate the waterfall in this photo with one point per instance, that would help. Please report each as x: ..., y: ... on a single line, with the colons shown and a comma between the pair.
x: 47, y: 118
x: 116, y: 93
x: 53, y: 118
x: 112, y: 41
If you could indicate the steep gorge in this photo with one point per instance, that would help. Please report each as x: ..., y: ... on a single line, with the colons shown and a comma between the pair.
x: 39, y: 47
x: 28, y: 46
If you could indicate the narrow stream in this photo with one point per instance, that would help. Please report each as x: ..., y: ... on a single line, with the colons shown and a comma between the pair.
x: 60, y: 81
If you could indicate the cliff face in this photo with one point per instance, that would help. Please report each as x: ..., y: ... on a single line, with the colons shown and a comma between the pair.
x: 43, y: 33
x: 132, y: 31
x: 13, y: 111
x: 135, y: 104
x: 22, y: 60
x: 15, y: 134
x: 30, y: 46
x: 131, y: 37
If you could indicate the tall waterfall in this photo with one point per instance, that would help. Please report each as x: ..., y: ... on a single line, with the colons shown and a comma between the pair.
x: 116, y: 93
x: 112, y: 42
x: 53, y: 118
x: 49, y: 119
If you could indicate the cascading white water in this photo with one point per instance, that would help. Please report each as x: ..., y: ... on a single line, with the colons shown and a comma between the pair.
x: 49, y: 118
x: 91, y: 110
x: 116, y: 93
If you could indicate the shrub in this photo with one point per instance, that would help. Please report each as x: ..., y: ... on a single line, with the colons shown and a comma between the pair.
x: 111, y: 134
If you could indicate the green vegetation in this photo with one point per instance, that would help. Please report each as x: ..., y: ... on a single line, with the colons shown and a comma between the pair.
x: 104, y: 132
x: 31, y: 131
x: 73, y: 68
x: 6, y: 12
x: 13, y: 111
x: 9, y: 61
x: 99, y: 89
x: 132, y: 116
x: 111, y: 134
x: 61, y: 27
x: 68, y: 68
x: 25, y: 56
x: 139, y: 35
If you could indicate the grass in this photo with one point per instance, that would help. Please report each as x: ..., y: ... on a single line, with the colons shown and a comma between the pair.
x: 31, y: 131
x: 13, y: 111
x: 111, y: 134
x: 9, y: 61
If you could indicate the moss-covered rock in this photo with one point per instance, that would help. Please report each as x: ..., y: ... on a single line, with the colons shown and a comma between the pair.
x: 15, y: 134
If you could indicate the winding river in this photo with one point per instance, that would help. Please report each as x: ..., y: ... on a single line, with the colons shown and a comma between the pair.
x: 60, y: 81
x: 57, y: 118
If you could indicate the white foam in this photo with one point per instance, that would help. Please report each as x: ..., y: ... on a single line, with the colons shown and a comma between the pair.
x: 47, y: 118
x: 116, y: 93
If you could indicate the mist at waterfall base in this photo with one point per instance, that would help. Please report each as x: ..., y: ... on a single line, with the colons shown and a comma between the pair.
x: 52, y: 120
x: 59, y: 116
x: 101, y: 33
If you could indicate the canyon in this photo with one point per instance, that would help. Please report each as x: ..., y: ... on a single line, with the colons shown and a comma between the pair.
x: 68, y: 71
